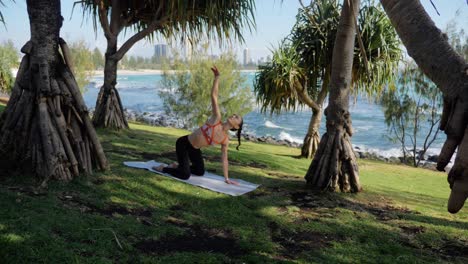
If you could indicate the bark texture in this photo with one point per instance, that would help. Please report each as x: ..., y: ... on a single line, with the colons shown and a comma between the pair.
x: 109, y: 110
x: 334, y: 165
x: 312, y: 138
x: 429, y: 47
x: 45, y: 127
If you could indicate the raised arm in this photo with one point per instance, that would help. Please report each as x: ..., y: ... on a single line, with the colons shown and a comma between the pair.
x: 214, y: 95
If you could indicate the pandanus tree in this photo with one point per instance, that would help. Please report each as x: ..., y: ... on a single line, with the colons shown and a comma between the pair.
x: 45, y: 126
x: 334, y: 165
x: 430, y: 49
x: 299, y: 74
x: 192, y: 19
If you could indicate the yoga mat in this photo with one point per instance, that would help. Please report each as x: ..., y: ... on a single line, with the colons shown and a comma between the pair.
x: 208, y: 181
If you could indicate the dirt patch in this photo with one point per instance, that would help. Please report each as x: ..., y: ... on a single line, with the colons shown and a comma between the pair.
x: 294, y: 243
x: 256, y: 165
x: 312, y: 200
x: 194, y: 239
x: 284, y: 176
x: 260, y: 192
x: 316, y: 202
x: 386, y: 212
x: 72, y: 200
x: 107, y: 179
x: 29, y: 190
x: 177, y: 222
x: 176, y: 208
x: 413, y: 230
x: 453, y: 249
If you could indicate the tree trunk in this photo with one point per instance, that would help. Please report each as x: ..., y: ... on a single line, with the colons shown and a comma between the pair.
x: 109, y: 111
x: 312, y: 138
x: 429, y: 47
x: 46, y: 124
x: 334, y: 164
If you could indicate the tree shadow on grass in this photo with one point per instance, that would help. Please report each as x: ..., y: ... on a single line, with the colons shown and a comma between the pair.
x: 293, y: 243
x: 157, y: 218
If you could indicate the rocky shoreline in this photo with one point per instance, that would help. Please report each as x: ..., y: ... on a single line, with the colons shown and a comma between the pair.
x: 168, y: 120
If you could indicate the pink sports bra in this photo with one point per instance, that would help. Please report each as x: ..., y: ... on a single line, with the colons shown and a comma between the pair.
x: 208, y: 133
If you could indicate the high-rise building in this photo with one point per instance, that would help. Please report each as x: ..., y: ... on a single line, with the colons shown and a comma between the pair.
x: 246, y: 56
x: 160, y: 51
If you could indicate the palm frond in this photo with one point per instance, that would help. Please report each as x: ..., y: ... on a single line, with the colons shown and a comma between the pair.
x: 186, y: 19
x: 276, y: 82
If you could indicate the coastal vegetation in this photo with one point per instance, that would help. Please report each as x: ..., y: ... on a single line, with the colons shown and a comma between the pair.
x: 438, y: 60
x: 300, y: 70
x: 186, y: 95
x: 8, y: 60
x: 186, y: 19
x: 412, y: 113
x: 334, y: 166
x: 83, y: 62
x: 67, y: 197
x: 412, y: 105
x: 130, y: 215
x: 46, y: 128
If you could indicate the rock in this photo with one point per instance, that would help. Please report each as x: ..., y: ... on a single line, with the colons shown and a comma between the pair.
x: 433, y: 158
x: 428, y: 165
x: 421, y: 155
x: 270, y: 140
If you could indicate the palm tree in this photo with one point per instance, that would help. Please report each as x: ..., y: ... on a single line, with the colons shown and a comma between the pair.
x: 45, y: 126
x: 334, y: 164
x: 185, y: 19
x: 448, y: 70
x: 299, y: 73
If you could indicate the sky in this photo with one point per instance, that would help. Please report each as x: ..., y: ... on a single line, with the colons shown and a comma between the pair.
x: 274, y: 20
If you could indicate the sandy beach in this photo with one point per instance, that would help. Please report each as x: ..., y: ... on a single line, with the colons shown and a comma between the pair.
x: 130, y: 72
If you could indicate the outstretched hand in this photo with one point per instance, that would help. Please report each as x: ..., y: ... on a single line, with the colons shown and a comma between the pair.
x: 215, y: 71
x: 231, y: 182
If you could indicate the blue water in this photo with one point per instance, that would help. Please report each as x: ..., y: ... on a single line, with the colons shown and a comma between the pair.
x: 140, y: 93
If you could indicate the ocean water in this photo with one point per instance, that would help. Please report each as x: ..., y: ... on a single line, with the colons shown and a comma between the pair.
x: 140, y: 93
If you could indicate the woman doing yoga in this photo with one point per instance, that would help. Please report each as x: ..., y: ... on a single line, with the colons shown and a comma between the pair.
x: 211, y: 133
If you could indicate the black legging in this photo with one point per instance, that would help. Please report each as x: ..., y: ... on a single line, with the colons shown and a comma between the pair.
x: 186, y: 153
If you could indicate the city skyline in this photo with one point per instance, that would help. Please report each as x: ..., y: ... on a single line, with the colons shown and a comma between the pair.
x: 274, y: 21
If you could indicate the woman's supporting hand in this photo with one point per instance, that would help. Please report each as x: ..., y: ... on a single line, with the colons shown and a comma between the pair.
x: 228, y: 181
x: 215, y: 71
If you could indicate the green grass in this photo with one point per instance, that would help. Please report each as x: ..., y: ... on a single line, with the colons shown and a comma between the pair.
x: 128, y: 215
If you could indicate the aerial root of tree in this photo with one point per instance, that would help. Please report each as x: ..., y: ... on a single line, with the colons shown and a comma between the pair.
x: 454, y: 123
x: 45, y: 126
x: 312, y: 138
x: 334, y: 166
x: 310, y: 146
x: 109, y: 109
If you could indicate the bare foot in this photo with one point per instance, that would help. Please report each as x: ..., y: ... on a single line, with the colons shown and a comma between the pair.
x: 173, y: 165
x: 159, y: 168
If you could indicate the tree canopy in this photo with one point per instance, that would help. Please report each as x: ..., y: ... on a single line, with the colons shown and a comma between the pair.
x: 191, y: 19
x: 303, y: 59
x: 187, y: 90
